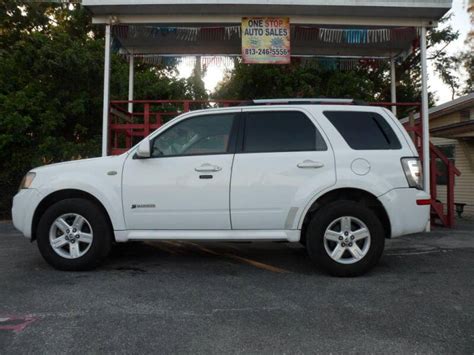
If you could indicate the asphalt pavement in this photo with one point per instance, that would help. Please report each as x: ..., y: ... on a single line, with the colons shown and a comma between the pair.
x: 170, y: 297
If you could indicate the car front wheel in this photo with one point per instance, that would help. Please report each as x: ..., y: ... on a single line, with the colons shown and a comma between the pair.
x: 345, y: 238
x: 74, y: 234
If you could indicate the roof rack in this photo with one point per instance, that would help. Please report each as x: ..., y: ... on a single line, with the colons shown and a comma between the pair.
x: 304, y: 101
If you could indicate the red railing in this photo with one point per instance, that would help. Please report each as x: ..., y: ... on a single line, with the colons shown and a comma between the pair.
x: 126, y: 129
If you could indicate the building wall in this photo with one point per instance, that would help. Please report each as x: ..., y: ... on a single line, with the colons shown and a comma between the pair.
x: 464, y: 184
x: 454, y: 117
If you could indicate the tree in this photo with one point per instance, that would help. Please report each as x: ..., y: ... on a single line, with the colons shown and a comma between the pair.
x: 195, y: 82
x: 51, y: 78
x: 467, y: 57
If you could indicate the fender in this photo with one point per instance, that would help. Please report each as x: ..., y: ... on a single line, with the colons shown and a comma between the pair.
x: 108, y: 195
x: 99, y: 177
x: 373, y: 189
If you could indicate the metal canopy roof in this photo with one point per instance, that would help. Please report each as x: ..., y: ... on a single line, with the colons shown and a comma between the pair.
x: 430, y: 10
x: 335, y: 14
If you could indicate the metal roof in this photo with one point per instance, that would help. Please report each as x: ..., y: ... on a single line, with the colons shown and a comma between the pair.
x: 403, y: 9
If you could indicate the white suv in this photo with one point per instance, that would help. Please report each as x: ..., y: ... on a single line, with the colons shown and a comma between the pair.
x: 336, y: 177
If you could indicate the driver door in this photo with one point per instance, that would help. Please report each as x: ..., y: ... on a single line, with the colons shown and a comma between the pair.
x: 185, y: 184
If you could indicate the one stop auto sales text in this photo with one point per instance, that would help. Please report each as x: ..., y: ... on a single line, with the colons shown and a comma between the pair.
x: 266, y: 27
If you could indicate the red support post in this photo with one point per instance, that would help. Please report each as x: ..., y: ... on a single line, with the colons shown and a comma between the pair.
x: 450, y: 199
x: 109, y: 134
x: 434, y: 174
x: 422, y: 139
x: 186, y: 106
x: 146, y: 120
x: 128, y: 139
x: 115, y: 145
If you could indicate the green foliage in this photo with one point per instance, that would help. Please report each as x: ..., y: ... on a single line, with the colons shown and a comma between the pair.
x: 468, y: 62
x: 51, y: 80
x: 295, y: 80
x: 195, y: 82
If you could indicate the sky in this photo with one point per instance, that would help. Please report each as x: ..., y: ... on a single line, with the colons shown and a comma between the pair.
x: 459, y: 21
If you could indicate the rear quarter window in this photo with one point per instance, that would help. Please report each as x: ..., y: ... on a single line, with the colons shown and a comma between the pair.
x: 364, y: 130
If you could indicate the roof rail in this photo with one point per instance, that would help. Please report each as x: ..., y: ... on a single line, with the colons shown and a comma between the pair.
x: 304, y: 101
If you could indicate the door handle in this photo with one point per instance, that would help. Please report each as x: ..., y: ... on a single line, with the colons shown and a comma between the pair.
x: 309, y: 164
x: 207, y: 168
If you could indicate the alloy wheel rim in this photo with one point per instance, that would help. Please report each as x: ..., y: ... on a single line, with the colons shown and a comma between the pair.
x: 347, y: 240
x: 70, y: 236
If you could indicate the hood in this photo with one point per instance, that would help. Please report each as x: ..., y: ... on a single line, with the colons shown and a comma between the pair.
x: 100, y: 161
x: 85, y: 170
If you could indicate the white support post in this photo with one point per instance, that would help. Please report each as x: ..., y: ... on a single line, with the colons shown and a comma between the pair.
x: 424, y: 112
x: 131, y: 77
x: 393, y: 85
x: 105, y: 112
x: 425, y: 116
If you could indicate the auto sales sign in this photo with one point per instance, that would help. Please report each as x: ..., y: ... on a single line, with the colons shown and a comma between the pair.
x: 266, y: 40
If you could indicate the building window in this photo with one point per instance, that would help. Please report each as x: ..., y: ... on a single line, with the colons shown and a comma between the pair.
x: 450, y: 152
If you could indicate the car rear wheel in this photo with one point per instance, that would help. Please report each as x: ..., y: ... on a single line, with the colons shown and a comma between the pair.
x: 74, y: 234
x: 345, y: 238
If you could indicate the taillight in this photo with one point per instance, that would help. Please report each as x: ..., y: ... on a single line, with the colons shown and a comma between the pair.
x: 413, y: 172
x: 423, y: 202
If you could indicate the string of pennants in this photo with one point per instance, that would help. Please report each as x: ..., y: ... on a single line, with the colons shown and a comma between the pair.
x: 325, y: 63
x: 206, y: 61
x: 304, y: 33
x: 342, y: 64
x: 181, y: 33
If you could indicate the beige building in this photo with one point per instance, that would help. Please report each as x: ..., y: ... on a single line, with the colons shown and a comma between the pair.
x: 452, y: 131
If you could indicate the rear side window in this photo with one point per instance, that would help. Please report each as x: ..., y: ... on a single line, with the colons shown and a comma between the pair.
x: 280, y: 131
x: 364, y: 130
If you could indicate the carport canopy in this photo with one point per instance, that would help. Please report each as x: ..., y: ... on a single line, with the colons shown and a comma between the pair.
x: 413, y: 17
x: 336, y: 14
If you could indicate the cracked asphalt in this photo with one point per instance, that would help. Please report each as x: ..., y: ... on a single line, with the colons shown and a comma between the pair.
x: 170, y: 297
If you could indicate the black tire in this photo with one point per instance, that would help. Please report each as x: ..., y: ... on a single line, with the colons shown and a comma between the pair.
x: 101, y: 230
x: 324, y: 217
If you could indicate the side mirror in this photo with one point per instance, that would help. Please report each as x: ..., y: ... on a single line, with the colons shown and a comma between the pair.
x: 144, y: 150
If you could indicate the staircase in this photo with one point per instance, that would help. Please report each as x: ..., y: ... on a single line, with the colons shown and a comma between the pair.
x: 441, y: 214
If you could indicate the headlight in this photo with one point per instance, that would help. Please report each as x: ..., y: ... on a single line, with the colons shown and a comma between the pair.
x: 413, y: 172
x: 27, y: 180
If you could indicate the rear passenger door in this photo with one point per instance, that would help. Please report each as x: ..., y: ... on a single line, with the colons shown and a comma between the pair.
x: 281, y: 161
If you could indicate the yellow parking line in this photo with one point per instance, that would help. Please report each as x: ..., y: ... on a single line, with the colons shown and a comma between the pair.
x: 257, y: 264
x: 204, y: 249
x: 178, y: 248
x: 251, y: 262
x: 157, y: 245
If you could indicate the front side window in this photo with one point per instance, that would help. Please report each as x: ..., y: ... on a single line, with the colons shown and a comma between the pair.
x: 364, y: 130
x: 201, y: 135
x: 280, y: 131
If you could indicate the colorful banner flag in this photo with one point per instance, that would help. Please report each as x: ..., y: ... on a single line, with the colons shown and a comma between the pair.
x: 266, y: 40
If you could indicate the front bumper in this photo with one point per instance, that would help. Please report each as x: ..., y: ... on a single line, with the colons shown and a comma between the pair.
x: 25, y: 203
x: 406, y: 217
